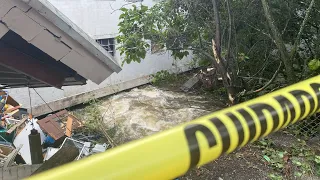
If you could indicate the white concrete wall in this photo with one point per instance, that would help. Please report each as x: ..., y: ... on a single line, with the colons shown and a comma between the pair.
x: 99, y: 18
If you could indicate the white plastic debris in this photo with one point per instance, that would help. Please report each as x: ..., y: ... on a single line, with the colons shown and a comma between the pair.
x: 86, y: 148
x: 99, y: 148
x: 23, y: 139
x: 50, y: 152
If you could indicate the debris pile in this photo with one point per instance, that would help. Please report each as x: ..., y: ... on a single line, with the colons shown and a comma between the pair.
x: 51, y: 141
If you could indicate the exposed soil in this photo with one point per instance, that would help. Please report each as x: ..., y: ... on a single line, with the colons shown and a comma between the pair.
x: 244, y: 164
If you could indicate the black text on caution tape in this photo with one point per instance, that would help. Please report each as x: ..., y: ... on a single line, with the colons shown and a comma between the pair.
x: 288, y: 110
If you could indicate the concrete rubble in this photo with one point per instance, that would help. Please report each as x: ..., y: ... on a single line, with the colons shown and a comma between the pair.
x: 28, y: 143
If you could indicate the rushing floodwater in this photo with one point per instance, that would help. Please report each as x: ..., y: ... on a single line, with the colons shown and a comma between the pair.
x: 143, y: 111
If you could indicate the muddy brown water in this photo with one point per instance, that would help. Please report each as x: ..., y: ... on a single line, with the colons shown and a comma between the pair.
x: 144, y: 111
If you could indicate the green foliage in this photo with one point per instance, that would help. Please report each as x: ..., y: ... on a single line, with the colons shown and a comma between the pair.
x: 133, y: 24
x: 204, y: 62
x: 317, y: 161
x: 163, y: 76
x: 242, y: 57
x: 165, y: 24
x: 303, y: 158
x: 275, y: 177
x: 221, y: 91
x: 93, y: 121
x: 91, y: 116
x: 314, y: 64
x: 181, y: 26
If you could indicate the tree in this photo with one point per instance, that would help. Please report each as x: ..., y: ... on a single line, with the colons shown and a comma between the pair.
x: 279, y: 42
x: 286, y: 58
x: 180, y: 26
x: 244, y: 40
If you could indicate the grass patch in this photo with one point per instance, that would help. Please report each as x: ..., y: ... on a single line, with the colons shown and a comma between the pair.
x: 94, y: 122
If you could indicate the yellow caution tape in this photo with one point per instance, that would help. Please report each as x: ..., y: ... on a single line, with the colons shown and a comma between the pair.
x: 172, y: 153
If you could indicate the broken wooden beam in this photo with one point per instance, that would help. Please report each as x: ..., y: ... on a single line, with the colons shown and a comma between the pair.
x: 69, y: 126
x: 11, y: 109
x: 17, y: 125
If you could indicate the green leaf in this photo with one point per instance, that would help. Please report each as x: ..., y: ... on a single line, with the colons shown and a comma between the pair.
x: 297, y: 174
x: 296, y: 162
x: 317, y: 159
x: 318, y: 170
x: 123, y: 9
x: 279, y: 165
x: 275, y: 177
x: 264, y: 143
x: 144, y: 8
x: 281, y: 154
x: 266, y: 158
x: 121, y: 17
x: 314, y: 64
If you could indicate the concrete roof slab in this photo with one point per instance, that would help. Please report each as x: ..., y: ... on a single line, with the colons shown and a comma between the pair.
x: 94, y: 70
x: 20, y: 23
x: 5, y: 7
x: 34, y: 15
x: 37, y: 29
x: 51, y: 45
x: 46, y: 9
x: 3, y: 30
x: 21, y: 5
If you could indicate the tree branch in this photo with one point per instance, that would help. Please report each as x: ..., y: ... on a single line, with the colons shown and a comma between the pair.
x: 298, y: 38
x: 257, y: 78
x: 267, y: 84
x: 114, y: 10
x: 271, y: 80
x: 230, y: 30
x: 217, y: 23
x: 197, y: 29
x: 279, y: 43
x: 259, y: 30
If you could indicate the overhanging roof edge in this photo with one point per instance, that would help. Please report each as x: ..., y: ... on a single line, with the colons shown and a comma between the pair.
x: 47, y: 10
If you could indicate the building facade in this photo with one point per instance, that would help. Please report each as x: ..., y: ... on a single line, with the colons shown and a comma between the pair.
x: 99, y: 19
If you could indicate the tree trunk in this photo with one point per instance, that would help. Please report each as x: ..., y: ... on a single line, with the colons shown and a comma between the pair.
x: 226, y: 78
x: 217, y: 40
x: 279, y: 43
x: 220, y: 63
x: 232, y: 62
x: 229, y: 30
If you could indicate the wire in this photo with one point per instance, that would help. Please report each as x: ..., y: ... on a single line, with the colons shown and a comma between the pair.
x: 30, y: 101
x: 30, y: 105
x: 3, y: 138
x: 102, y: 117
x: 50, y: 108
